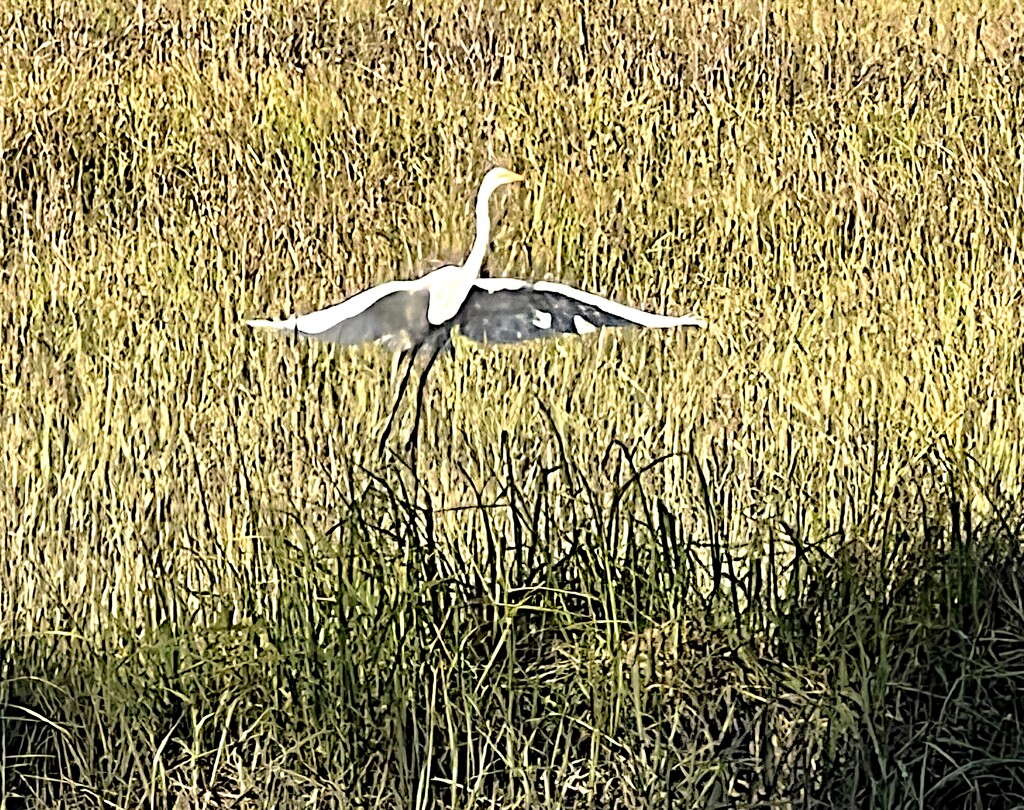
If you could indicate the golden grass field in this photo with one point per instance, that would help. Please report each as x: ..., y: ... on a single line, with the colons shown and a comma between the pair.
x: 775, y: 564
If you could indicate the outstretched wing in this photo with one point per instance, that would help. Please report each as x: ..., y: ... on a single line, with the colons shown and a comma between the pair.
x: 508, y: 310
x: 394, y: 313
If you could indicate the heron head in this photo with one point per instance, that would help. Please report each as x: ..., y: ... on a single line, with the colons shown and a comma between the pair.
x: 498, y: 177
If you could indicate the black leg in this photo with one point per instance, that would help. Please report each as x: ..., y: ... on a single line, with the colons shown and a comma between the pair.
x: 411, y: 354
x: 411, y: 443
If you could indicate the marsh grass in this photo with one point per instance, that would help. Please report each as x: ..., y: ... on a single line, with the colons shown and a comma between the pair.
x: 773, y: 564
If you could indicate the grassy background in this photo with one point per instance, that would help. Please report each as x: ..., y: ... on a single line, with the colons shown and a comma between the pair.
x: 777, y: 563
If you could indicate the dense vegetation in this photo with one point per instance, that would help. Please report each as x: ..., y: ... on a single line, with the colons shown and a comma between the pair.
x: 775, y: 563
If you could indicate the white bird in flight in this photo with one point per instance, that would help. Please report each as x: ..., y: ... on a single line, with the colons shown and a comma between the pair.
x: 408, y: 315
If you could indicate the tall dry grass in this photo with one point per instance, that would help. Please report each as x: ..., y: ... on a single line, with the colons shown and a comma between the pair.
x: 777, y: 563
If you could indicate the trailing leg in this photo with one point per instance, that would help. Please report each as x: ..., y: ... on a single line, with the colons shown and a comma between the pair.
x: 411, y: 355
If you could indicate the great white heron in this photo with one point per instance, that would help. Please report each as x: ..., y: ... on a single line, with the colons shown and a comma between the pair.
x: 416, y: 314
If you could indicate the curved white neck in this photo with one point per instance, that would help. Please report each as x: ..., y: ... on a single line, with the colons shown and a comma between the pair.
x: 475, y: 259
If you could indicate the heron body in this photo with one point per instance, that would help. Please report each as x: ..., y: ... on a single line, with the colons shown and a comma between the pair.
x: 449, y: 285
x: 408, y: 315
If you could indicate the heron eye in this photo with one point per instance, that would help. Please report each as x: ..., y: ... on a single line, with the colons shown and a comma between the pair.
x: 542, y: 320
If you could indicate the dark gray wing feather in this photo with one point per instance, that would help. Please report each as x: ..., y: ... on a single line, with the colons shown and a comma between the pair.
x: 511, y: 311
x: 507, y: 316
